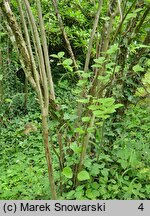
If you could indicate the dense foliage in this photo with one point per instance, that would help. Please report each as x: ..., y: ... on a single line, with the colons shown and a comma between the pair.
x: 99, y: 119
x: 119, y: 171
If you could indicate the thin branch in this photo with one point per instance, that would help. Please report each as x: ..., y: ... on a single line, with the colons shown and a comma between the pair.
x: 41, y: 57
x: 88, y: 55
x: 45, y: 49
x: 65, y: 34
x: 86, y: 139
x: 36, y: 75
x: 142, y: 20
x: 121, y: 23
x: 120, y: 10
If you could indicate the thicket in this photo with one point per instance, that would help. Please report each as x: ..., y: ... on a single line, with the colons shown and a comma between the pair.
x: 82, y: 69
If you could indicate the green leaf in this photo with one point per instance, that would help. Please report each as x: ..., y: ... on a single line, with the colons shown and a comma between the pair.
x: 106, y: 101
x: 112, y: 49
x: 8, y: 100
x: 106, y: 18
x: 138, y: 10
x: 67, y: 171
x: 79, y: 194
x: 80, y: 72
x: 95, y: 170
x: 106, y: 158
x: 142, y: 46
x: 67, y: 62
x: 84, y: 101
x: 89, y: 193
x: 95, y: 185
x: 90, y: 129
x: 83, y: 175
x: 86, y: 75
x: 66, y: 116
x: 61, y: 54
x: 104, y: 172
x: 1, y: 77
x: 75, y: 148
x: 92, y: 194
x: 54, y: 56
x: 130, y: 15
x: 81, y: 83
x: 100, y: 114
x: 94, y: 107
x: 70, y: 194
x: 118, y: 106
x: 123, y: 163
x: 96, y: 66
x: 109, y: 65
x: 79, y: 130
x: 86, y: 119
x: 87, y: 162
x: 138, y: 68
x: 100, y: 60
x: 80, y: 188
x: 69, y: 68
x: 104, y: 79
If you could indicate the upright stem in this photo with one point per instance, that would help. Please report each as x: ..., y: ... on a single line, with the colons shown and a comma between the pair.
x: 85, y: 143
x: 45, y: 50
x: 121, y: 23
x: 88, y: 55
x: 35, y: 72
x: 27, y: 60
x: 26, y: 93
x: 39, y: 49
x: 48, y: 154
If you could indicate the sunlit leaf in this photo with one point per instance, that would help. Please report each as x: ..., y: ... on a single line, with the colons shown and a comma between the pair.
x: 61, y: 54
x: 84, y: 101
x: 83, y: 175
x: 86, y: 119
x: 1, y: 77
x: 67, y: 62
x: 67, y: 171
x: 138, y: 68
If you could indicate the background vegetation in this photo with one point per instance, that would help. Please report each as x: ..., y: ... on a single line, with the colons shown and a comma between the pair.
x: 98, y: 116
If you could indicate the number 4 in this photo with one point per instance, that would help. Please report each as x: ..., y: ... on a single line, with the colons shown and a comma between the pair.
x: 141, y: 207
